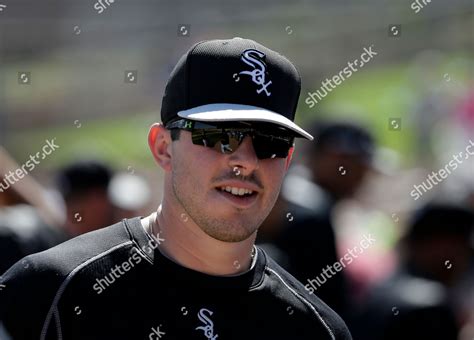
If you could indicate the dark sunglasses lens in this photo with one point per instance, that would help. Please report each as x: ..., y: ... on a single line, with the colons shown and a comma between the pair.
x: 269, y: 147
x: 228, y: 140
x: 218, y: 139
x: 206, y: 137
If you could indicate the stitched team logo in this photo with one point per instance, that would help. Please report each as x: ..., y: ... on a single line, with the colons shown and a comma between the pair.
x: 254, y: 59
x: 208, y: 327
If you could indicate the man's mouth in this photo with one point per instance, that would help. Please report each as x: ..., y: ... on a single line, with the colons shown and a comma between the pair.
x: 237, y: 191
x: 241, y: 197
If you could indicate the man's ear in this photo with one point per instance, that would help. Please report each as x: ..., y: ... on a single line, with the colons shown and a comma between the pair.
x: 159, y: 140
x: 289, y: 157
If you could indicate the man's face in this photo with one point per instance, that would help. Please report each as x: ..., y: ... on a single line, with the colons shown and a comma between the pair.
x: 198, y: 174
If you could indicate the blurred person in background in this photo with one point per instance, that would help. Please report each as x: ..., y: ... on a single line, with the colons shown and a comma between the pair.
x: 299, y: 231
x: 84, y: 188
x: 423, y: 298
x: 335, y: 167
x: 470, y: 197
x: 22, y: 230
x: 130, y: 195
x: 439, y: 233
x: 29, y: 223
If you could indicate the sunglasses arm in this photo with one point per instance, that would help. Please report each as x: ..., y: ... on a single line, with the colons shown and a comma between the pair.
x: 289, y: 157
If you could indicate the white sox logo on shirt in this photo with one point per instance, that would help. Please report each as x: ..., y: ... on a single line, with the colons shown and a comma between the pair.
x: 208, y: 329
x: 254, y: 59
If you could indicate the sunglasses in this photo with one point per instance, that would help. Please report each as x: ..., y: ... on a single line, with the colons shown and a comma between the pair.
x: 268, y: 142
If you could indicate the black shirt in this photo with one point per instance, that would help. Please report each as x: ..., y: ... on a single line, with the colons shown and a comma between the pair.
x: 114, y: 283
x: 304, y: 247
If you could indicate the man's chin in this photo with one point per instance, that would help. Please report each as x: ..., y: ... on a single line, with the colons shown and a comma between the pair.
x: 230, y: 234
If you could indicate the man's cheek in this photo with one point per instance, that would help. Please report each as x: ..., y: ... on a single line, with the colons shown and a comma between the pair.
x: 275, y: 181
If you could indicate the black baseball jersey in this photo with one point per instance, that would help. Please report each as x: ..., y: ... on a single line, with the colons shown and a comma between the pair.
x: 114, y: 283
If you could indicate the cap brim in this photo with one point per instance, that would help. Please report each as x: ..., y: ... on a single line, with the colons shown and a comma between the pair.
x: 238, y: 112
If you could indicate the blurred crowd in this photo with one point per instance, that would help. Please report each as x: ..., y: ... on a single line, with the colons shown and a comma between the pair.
x: 415, y: 281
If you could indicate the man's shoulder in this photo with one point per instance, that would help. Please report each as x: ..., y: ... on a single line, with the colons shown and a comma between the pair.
x: 39, y: 277
x: 46, y: 270
x: 288, y: 286
x: 70, y: 254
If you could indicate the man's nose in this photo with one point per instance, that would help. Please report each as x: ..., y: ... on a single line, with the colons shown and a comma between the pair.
x: 244, y: 157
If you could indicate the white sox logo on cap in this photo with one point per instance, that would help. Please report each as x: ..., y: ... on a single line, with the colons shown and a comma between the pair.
x: 254, y: 59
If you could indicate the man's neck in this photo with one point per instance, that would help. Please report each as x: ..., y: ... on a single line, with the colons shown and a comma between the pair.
x: 186, y: 244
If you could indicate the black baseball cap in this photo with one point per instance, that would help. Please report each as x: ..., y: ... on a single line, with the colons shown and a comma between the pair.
x: 233, y: 80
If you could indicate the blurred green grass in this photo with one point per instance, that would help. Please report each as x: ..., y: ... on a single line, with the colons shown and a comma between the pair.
x: 371, y: 96
x: 370, y: 99
x: 121, y: 142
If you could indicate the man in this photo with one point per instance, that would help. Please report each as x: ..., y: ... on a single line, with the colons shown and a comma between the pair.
x: 336, y: 166
x: 29, y: 222
x: 84, y: 187
x: 416, y: 302
x: 190, y: 270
